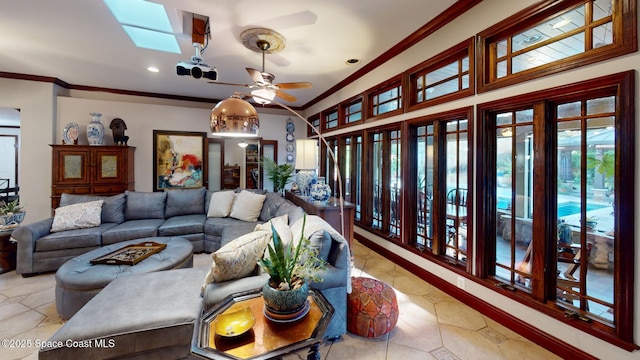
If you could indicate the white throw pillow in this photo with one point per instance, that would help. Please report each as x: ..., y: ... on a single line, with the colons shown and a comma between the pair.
x: 77, y: 216
x: 238, y: 258
x: 281, y: 224
x: 221, y: 203
x: 247, y: 206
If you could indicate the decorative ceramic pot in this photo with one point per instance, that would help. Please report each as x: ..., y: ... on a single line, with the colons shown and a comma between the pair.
x: 306, y: 179
x: 95, y: 130
x: 285, y: 301
x: 19, y: 217
x: 321, y: 191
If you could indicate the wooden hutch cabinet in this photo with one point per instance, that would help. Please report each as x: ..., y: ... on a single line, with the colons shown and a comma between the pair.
x: 94, y: 170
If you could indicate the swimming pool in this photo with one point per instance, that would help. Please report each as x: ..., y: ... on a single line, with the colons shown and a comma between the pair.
x: 573, y: 207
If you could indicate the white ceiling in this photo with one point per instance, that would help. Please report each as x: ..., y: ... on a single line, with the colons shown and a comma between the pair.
x: 81, y: 43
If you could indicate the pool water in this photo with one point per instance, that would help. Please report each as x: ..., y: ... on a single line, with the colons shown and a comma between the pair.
x: 573, y: 207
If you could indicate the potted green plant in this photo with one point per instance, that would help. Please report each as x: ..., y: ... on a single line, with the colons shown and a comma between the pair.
x: 290, y: 270
x: 279, y: 175
x: 11, y: 212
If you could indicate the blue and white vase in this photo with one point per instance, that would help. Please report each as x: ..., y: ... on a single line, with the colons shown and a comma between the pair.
x: 95, y: 130
x: 321, y: 191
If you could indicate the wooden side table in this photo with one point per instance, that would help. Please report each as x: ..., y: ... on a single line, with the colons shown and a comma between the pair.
x: 8, y: 251
x: 330, y: 212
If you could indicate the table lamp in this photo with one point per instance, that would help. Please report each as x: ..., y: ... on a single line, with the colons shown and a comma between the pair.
x: 306, y: 160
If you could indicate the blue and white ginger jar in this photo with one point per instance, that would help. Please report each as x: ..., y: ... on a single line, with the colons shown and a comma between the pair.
x: 321, y: 191
x: 95, y: 130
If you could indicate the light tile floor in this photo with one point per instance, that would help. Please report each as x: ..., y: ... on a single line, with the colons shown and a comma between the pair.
x: 432, y: 324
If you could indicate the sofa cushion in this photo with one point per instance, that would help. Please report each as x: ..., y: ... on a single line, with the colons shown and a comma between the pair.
x: 295, y: 212
x: 184, y: 202
x: 221, y: 203
x: 72, y: 239
x: 77, y: 216
x: 182, y: 225
x: 247, y: 206
x: 238, y: 258
x: 271, y: 205
x: 320, y: 240
x: 281, y: 224
x: 145, y: 205
x: 112, y: 208
x: 133, y: 229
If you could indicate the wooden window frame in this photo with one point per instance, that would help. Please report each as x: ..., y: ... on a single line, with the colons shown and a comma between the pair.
x: 395, y: 82
x: 325, y: 114
x: 313, y: 119
x: 542, y: 297
x: 625, y: 41
x: 344, y: 111
x: 410, y: 191
x: 455, y: 53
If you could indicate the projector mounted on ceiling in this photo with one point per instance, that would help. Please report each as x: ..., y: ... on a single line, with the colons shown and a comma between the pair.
x: 196, y: 68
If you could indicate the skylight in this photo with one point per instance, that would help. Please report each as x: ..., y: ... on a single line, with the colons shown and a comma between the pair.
x: 146, y: 23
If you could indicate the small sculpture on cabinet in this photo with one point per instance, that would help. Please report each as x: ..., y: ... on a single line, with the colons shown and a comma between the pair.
x: 118, y: 127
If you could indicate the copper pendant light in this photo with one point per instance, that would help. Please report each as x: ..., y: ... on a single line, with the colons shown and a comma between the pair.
x: 234, y: 117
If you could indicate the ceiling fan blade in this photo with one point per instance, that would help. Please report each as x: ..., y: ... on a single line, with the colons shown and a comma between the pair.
x: 256, y: 75
x: 294, y: 85
x: 284, y: 96
x: 232, y: 84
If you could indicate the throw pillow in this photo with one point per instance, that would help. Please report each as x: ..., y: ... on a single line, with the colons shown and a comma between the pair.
x: 77, y: 216
x: 145, y: 205
x: 221, y: 203
x: 247, y: 206
x: 184, y: 202
x: 112, y: 208
x: 238, y: 258
x: 281, y: 224
x: 319, y: 239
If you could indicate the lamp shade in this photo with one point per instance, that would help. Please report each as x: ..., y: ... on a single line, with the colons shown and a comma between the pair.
x: 263, y: 96
x: 234, y: 117
x: 306, y: 154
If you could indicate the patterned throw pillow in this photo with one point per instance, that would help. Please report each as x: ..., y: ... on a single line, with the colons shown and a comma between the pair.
x: 238, y: 258
x: 77, y: 216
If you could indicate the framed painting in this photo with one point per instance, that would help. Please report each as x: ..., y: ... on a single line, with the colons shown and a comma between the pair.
x: 179, y: 159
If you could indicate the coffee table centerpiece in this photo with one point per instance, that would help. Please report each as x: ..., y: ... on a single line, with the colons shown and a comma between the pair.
x: 291, y: 266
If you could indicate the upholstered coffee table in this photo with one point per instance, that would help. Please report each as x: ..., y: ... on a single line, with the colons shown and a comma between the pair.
x: 266, y: 339
x: 78, y: 280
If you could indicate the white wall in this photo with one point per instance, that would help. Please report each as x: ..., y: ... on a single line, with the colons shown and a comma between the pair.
x: 477, y: 19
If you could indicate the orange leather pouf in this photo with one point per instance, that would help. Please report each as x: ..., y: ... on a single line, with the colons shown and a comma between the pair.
x: 372, y: 308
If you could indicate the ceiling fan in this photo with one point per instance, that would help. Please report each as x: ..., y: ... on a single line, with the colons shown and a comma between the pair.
x: 256, y: 40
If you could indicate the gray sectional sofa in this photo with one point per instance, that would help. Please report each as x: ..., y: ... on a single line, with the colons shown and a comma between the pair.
x: 172, y: 213
x: 135, y: 215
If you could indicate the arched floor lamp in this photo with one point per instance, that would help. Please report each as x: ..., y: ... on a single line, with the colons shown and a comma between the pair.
x: 235, y: 117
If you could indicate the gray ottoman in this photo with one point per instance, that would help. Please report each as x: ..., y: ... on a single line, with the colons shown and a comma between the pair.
x: 77, y: 280
x: 146, y: 316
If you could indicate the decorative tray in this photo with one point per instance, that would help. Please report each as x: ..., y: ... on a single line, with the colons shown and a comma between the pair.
x: 130, y: 254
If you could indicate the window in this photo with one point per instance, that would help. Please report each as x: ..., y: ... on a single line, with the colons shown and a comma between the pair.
x: 440, y: 200
x: 386, y: 100
x: 443, y: 78
x: 351, y: 147
x: 564, y: 204
x: 353, y: 111
x: 385, y: 182
x: 315, y: 121
x: 330, y: 119
x: 555, y: 36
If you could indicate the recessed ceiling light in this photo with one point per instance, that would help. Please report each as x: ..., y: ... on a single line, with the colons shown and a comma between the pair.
x: 531, y: 40
x: 561, y: 23
x: 352, y: 61
x: 153, y: 69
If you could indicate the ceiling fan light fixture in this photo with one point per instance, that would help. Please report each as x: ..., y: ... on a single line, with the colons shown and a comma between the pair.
x: 234, y: 117
x: 263, y: 96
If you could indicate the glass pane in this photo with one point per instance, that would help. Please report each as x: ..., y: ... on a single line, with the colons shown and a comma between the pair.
x: 504, y: 118
x: 395, y: 182
x: 444, y: 88
x: 569, y: 110
x: 501, y: 48
x: 602, y: 9
x: 601, y: 106
x: 524, y: 116
x: 501, y: 69
x: 602, y: 35
x: 73, y: 167
x: 377, y: 181
x: 109, y: 166
x: 549, y: 53
x: 425, y: 175
x: 358, y: 178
